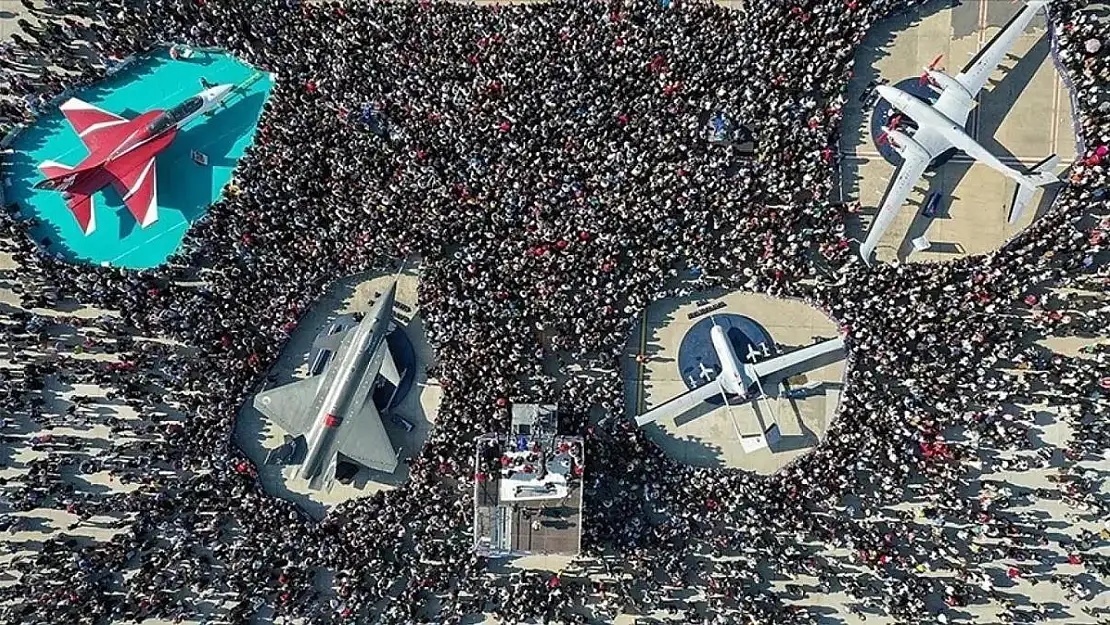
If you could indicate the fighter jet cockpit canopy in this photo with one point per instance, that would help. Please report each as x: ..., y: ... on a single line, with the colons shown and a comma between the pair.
x: 173, y: 116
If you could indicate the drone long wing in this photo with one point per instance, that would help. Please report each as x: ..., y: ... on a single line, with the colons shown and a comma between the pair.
x: 978, y: 71
x: 797, y: 361
x: 681, y: 404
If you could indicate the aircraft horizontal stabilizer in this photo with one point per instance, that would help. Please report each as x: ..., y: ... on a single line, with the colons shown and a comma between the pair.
x: 54, y: 169
x: 1044, y: 172
x: 1041, y: 174
x: 81, y: 205
x: 1023, y: 195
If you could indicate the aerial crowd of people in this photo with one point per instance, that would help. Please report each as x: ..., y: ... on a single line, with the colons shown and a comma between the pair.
x: 552, y: 168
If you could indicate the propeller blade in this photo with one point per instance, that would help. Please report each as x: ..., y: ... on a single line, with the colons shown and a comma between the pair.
x: 936, y: 61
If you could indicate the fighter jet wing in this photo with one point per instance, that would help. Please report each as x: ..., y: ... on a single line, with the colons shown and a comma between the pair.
x: 797, y: 361
x: 681, y: 404
x: 362, y: 437
x: 77, y: 187
x: 93, y: 125
x: 139, y: 189
x: 290, y: 406
x: 977, y: 72
x: 905, y: 177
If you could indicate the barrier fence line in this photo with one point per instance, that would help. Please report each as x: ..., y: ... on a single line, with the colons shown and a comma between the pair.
x: 641, y: 358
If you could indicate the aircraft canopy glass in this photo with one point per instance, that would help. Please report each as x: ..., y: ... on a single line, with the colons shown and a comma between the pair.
x: 173, y: 116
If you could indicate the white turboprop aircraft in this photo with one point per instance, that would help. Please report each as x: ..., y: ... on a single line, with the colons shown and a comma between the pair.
x: 737, y: 378
x: 940, y: 127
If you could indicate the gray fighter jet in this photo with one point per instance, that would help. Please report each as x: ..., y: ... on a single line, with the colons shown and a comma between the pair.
x: 334, y: 412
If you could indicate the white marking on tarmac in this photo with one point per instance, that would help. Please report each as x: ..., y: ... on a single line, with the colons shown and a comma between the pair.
x: 979, y: 96
x: 1057, y: 85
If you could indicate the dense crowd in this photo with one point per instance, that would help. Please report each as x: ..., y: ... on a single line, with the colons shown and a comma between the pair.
x: 551, y: 167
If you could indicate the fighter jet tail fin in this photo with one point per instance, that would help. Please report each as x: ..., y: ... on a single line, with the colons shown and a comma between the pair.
x: 61, y: 177
x: 1040, y: 175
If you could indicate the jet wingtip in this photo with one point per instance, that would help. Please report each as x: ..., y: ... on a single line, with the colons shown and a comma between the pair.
x: 73, y: 104
x: 150, y: 218
x: 89, y: 226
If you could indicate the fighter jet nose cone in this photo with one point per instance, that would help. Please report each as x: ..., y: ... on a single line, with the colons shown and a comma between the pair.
x: 390, y: 294
x: 383, y: 307
x: 219, y: 93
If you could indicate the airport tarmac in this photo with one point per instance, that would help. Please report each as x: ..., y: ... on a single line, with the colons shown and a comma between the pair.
x: 255, y: 435
x: 710, y: 436
x: 1024, y: 114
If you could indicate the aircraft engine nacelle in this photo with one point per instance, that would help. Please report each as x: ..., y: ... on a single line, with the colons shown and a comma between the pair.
x: 904, y: 144
x: 944, y: 81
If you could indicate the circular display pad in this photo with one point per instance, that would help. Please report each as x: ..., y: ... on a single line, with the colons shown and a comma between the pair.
x: 697, y: 360
x: 883, y: 111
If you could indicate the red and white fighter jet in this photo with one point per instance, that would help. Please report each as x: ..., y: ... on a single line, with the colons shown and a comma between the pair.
x: 121, y: 153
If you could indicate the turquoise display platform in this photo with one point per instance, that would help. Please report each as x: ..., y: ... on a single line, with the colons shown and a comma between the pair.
x: 185, y: 189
